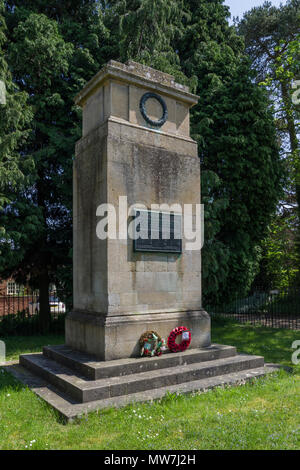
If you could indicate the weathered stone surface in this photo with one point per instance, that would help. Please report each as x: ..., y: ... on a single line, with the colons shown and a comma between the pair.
x: 83, y: 390
x: 90, y: 368
x: 116, y: 336
x: 121, y: 155
x: 70, y: 409
x: 116, y: 92
x: 118, y: 293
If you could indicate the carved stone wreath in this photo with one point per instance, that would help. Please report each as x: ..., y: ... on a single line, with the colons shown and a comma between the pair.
x: 161, y: 101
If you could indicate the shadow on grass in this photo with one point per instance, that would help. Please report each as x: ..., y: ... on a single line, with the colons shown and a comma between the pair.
x: 274, y: 344
x: 16, y: 345
x: 8, y: 382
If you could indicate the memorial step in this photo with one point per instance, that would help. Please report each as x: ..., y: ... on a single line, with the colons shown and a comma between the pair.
x: 83, y: 390
x: 70, y: 409
x: 92, y: 369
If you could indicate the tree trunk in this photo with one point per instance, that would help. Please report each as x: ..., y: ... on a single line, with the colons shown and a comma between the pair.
x: 44, y: 313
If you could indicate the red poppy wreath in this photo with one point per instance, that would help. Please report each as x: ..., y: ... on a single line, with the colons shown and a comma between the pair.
x: 186, y: 339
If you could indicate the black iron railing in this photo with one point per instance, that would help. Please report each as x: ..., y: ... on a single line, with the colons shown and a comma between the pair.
x: 275, y: 308
x: 21, y: 315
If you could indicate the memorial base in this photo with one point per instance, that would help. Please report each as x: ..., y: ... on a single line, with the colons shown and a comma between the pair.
x: 117, y: 337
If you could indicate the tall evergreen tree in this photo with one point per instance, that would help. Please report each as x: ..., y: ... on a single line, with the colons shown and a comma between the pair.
x: 15, y: 167
x: 192, y: 40
x: 144, y: 30
x: 57, y: 46
x: 54, y: 50
x: 237, y: 142
x: 272, y: 42
x: 15, y: 116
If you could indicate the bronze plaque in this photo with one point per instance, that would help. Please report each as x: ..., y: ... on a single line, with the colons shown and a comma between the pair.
x: 158, y: 232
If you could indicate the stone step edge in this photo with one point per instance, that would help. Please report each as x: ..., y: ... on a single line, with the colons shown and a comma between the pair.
x: 69, y: 410
x: 86, y: 391
x: 49, y: 365
x: 94, y: 370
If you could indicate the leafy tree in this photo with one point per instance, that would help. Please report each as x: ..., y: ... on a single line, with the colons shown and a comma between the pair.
x: 286, y: 70
x: 15, y: 167
x: 39, y: 59
x: 279, y: 262
x: 272, y: 42
x: 51, y: 58
x: 57, y: 46
x: 216, y: 254
x: 192, y: 40
x: 15, y: 116
x: 144, y: 31
x: 237, y: 142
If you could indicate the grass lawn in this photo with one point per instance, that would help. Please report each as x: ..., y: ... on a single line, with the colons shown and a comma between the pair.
x: 16, y: 345
x: 263, y: 414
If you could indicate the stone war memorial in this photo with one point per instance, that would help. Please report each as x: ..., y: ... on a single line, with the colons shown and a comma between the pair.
x: 121, y: 291
x: 138, y: 328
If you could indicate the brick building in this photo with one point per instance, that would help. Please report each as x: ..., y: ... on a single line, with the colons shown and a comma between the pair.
x: 14, y: 298
x: 9, y: 287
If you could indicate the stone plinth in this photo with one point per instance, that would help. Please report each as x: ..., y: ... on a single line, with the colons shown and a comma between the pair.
x: 120, y: 293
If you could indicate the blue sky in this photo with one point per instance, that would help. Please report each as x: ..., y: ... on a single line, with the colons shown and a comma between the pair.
x: 238, y: 7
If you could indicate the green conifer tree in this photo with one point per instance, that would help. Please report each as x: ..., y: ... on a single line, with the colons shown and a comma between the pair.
x: 56, y: 46
x: 16, y: 167
x: 15, y: 116
x: 237, y: 142
x: 144, y: 30
x: 272, y: 41
x: 54, y: 49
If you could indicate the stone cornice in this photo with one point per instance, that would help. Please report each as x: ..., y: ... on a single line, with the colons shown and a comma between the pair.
x: 140, y: 76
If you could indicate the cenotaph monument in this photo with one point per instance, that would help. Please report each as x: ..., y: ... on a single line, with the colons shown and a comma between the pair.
x: 137, y: 266
x: 136, y: 144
